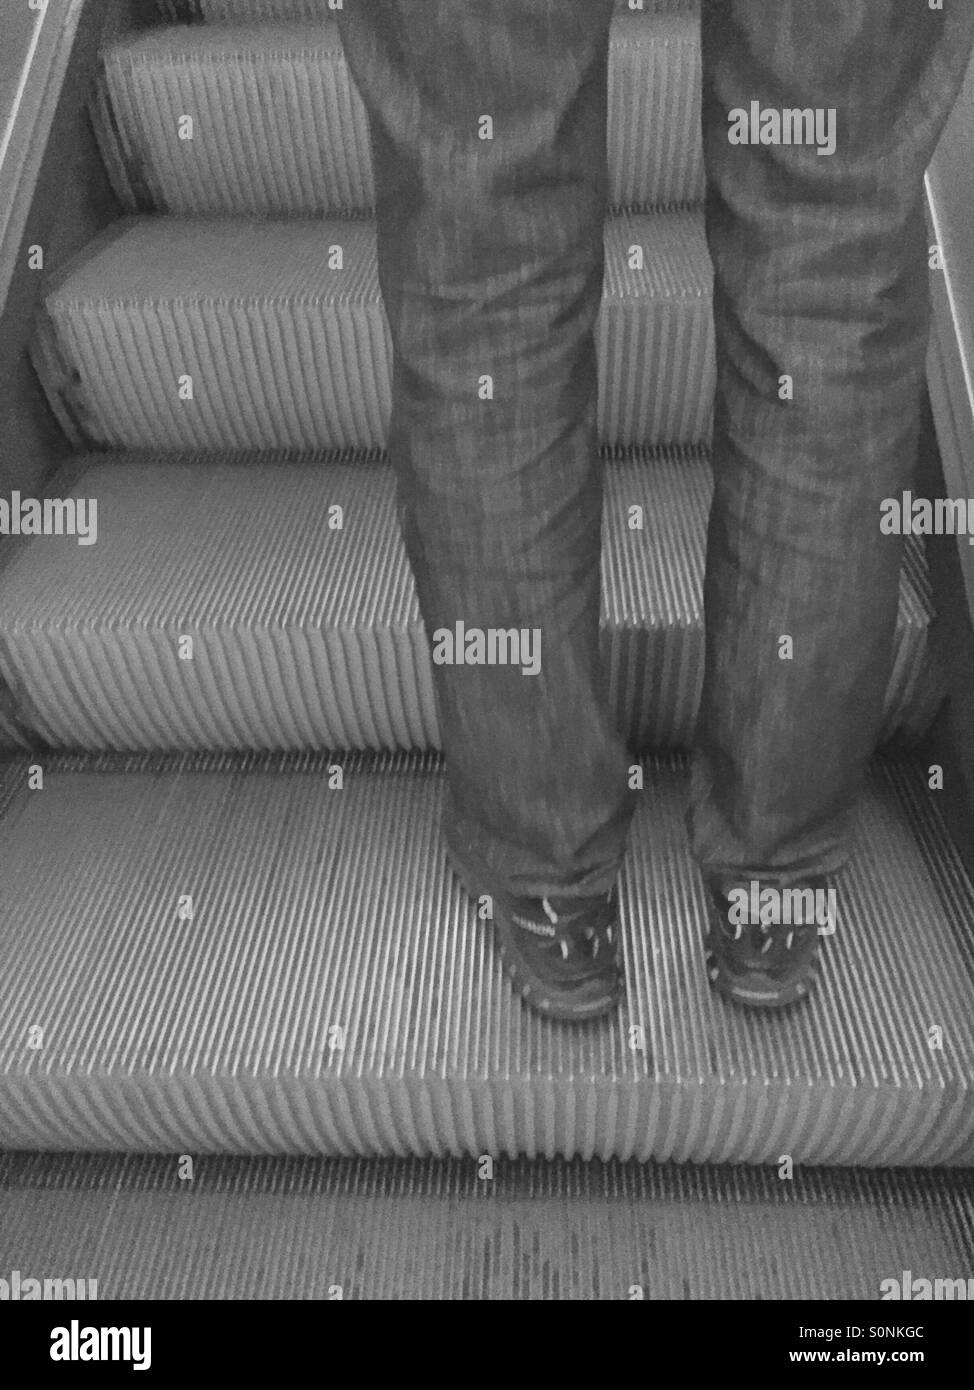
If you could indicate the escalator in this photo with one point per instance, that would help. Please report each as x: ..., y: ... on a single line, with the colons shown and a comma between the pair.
x: 254, y: 1040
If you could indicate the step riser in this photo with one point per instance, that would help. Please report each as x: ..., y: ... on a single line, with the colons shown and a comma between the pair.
x: 274, y: 691
x: 317, y: 909
x: 308, y: 637
x: 306, y: 151
x: 683, y: 1123
x: 285, y: 353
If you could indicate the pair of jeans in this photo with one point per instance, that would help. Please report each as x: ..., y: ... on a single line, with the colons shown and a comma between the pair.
x: 491, y: 264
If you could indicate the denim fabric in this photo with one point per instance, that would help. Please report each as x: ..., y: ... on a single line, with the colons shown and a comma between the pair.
x: 821, y: 273
x: 491, y: 263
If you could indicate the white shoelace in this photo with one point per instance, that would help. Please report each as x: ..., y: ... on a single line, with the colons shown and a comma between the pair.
x: 552, y: 917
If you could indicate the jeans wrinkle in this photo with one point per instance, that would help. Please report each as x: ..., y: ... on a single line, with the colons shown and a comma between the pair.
x: 491, y: 260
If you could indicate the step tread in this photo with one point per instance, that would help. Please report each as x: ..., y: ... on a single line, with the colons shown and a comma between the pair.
x: 307, y: 636
x: 140, y: 260
x: 238, y: 539
x: 263, y: 11
x: 414, y: 1229
x: 285, y: 32
x: 319, y: 908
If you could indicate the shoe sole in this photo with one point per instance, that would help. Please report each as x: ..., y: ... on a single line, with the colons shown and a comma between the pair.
x: 527, y: 986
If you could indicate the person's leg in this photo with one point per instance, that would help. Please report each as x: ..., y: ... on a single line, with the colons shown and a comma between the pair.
x: 821, y: 266
x: 490, y: 265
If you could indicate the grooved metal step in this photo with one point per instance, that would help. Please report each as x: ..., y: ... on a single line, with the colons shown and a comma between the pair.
x: 413, y: 1229
x: 306, y: 636
x: 279, y: 128
x: 284, y: 352
x: 255, y: 11
x: 242, y: 956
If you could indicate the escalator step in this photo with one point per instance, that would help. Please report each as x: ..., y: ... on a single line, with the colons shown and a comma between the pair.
x: 254, y: 11
x: 239, y: 955
x: 413, y: 1229
x: 279, y: 127
x: 310, y: 637
x: 284, y: 352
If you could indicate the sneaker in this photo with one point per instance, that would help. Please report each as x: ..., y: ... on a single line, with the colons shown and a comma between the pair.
x: 561, y: 954
x: 758, y: 965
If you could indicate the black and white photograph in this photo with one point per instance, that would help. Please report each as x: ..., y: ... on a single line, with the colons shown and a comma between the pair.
x: 486, y: 672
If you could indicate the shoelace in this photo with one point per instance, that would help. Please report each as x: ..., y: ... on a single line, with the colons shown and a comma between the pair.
x: 766, y: 931
x: 591, y: 934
